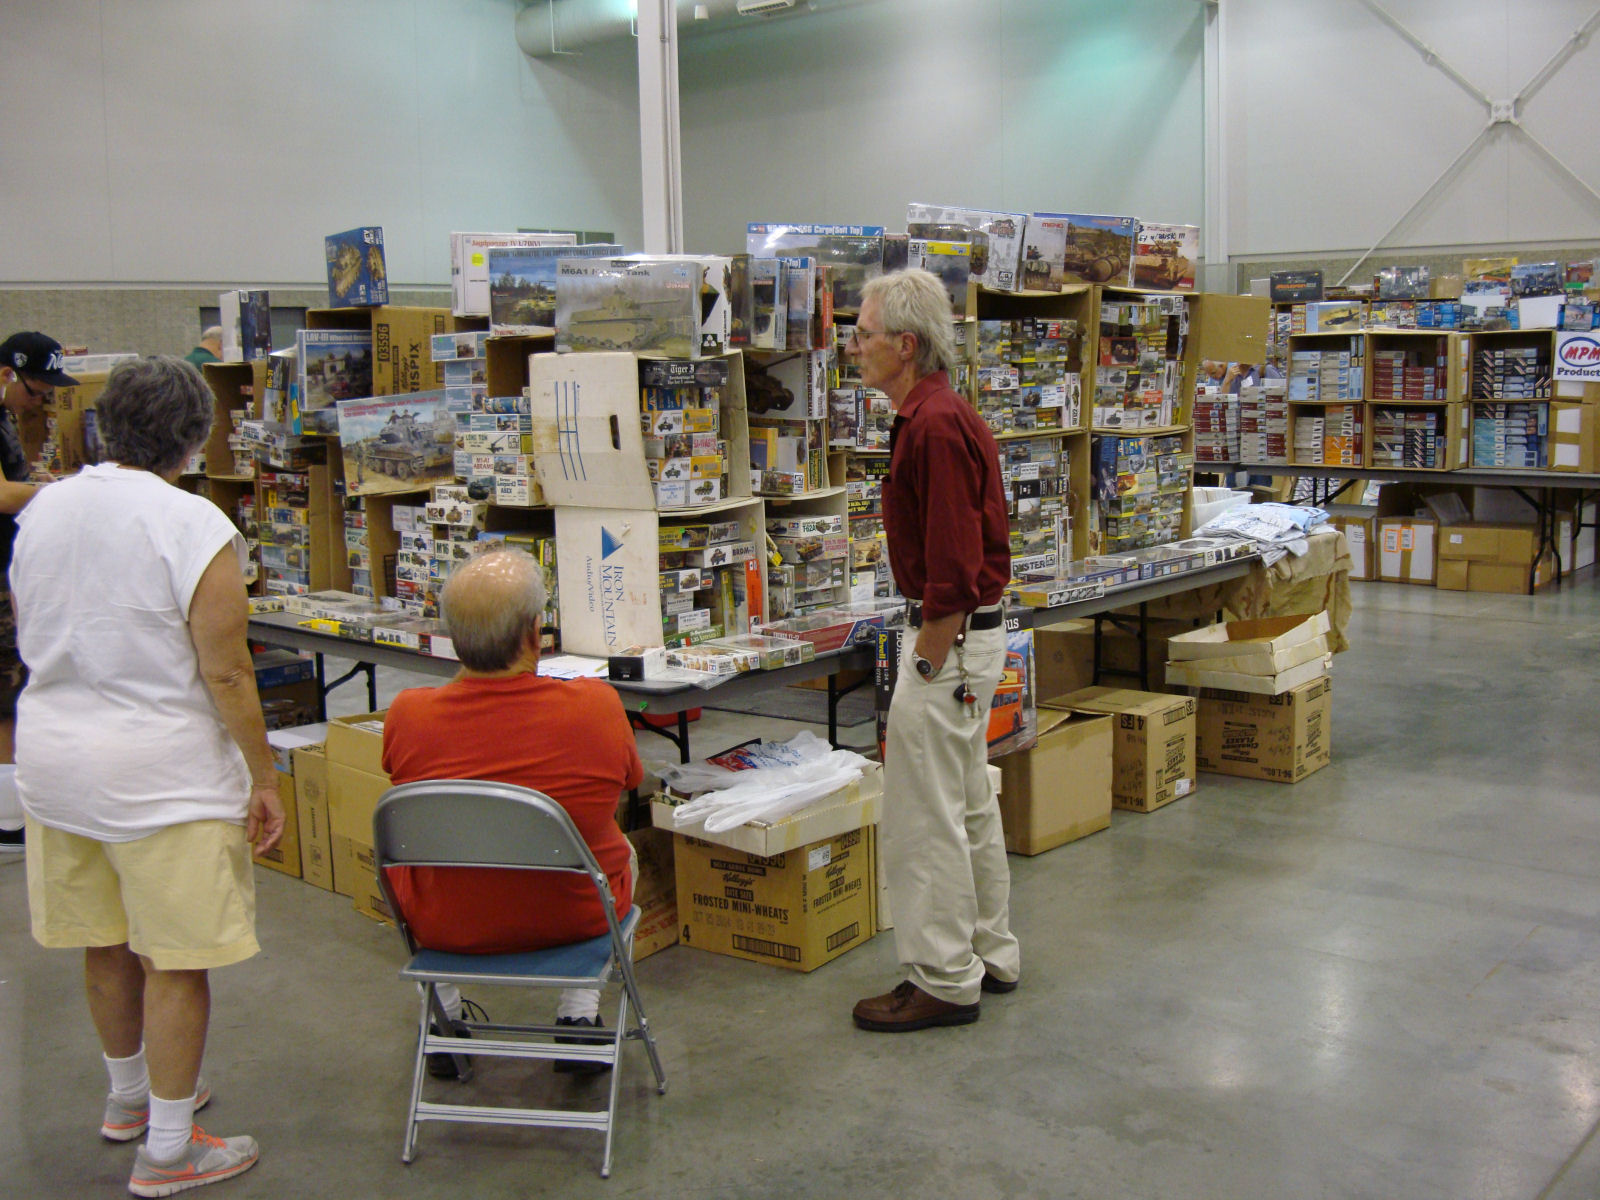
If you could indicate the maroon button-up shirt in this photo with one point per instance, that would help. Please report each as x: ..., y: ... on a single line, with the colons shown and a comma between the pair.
x: 944, y: 507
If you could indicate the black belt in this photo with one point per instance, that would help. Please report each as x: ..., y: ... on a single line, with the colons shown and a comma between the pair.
x: 991, y: 619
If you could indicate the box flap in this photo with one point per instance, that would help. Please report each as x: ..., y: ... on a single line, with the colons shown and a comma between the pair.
x: 1265, y: 636
x: 1199, y: 675
x: 1119, y: 700
x: 1255, y: 658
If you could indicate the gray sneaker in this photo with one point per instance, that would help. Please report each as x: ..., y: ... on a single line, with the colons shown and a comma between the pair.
x: 204, y: 1160
x: 126, y: 1122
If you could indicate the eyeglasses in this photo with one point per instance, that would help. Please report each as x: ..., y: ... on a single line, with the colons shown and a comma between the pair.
x: 860, y: 335
x: 43, y: 394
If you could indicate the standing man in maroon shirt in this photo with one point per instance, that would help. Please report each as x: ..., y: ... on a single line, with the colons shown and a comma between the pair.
x: 944, y: 511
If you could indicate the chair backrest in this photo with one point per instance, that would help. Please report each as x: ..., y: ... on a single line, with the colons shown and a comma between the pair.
x: 480, y: 823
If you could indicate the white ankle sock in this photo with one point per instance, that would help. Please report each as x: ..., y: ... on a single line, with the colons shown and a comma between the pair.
x: 578, y: 1003
x: 130, y: 1078
x: 170, y: 1125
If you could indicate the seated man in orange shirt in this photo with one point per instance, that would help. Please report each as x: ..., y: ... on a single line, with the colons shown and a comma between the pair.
x: 499, y: 720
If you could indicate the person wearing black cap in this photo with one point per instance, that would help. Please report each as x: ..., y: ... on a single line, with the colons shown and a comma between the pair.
x: 30, y: 372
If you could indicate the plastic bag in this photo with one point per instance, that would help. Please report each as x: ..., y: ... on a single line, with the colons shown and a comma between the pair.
x: 776, y: 779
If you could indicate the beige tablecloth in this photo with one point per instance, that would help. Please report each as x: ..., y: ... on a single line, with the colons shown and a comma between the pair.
x: 1309, y: 583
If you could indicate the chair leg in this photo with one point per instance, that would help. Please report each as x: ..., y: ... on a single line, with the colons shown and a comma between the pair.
x: 619, y: 1036
x: 409, y: 1145
x: 630, y: 990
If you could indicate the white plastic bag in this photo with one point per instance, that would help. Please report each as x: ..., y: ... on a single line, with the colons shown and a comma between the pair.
x: 784, y: 777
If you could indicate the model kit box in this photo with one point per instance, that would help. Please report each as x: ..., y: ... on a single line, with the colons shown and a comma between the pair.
x: 1060, y: 790
x: 852, y: 253
x: 795, y: 909
x: 311, y: 812
x: 357, y: 274
x: 246, y: 325
x: 469, y: 264
x: 1166, y: 256
x: 1097, y: 249
x: 1407, y: 549
x: 1153, y: 760
x: 674, y: 305
x: 1282, y: 738
x: 996, y: 238
x: 522, y: 284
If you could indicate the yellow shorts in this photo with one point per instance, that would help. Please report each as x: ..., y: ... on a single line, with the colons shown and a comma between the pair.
x: 184, y: 896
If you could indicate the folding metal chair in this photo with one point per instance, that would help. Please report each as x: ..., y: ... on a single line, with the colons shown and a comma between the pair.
x: 467, y: 822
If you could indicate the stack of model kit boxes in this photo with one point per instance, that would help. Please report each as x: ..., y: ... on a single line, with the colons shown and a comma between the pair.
x: 1327, y: 374
x: 494, y: 434
x: 1026, y: 379
x: 704, y: 581
x: 1409, y: 437
x: 284, y: 519
x: 1140, y: 369
x: 681, y: 403
x: 1139, y: 485
x: 1035, y: 475
x: 1329, y: 435
x: 1264, y: 424
x: 814, y: 562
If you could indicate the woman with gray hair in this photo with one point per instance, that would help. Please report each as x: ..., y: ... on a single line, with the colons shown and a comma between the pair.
x: 142, y: 760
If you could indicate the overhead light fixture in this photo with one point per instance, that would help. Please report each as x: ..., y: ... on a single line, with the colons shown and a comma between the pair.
x: 763, y: 8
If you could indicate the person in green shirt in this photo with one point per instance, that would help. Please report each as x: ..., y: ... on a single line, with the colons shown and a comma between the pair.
x: 210, y: 348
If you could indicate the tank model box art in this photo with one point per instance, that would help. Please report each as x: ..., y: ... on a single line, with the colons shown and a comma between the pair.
x: 358, y: 276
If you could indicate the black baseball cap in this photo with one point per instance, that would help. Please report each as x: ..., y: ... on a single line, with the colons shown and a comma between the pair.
x: 36, y: 355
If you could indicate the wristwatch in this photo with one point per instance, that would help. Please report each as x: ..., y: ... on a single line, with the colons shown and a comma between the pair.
x: 924, y: 668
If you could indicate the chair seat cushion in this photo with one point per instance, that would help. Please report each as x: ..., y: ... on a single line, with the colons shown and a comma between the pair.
x: 587, y: 959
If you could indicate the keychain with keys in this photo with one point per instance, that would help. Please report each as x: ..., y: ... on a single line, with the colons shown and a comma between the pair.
x: 963, y: 693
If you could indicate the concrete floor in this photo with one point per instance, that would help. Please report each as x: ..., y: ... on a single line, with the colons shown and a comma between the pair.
x: 1382, y: 982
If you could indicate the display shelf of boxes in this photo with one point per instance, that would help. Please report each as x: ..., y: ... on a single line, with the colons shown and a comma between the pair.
x: 1035, y: 365
x: 1139, y: 353
x: 1326, y: 387
x: 859, y: 421
x: 787, y: 404
x: 810, y: 538
x: 1264, y: 435
x: 1509, y: 388
x: 1141, y: 489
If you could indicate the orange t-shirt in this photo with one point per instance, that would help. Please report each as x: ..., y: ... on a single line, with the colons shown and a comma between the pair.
x: 568, y: 739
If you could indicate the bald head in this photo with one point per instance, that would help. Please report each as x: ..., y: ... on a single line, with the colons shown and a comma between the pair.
x: 491, y: 605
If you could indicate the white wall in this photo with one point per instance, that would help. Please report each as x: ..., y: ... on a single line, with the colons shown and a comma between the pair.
x: 1337, y: 126
x: 206, y: 140
x: 846, y: 115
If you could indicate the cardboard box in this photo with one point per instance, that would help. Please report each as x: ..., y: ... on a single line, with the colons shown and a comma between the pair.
x: 1407, y: 549
x: 1064, y: 654
x: 609, y: 572
x: 402, y: 349
x: 1266, y: 656
x: 1152, y: 747
x: 1575, y: 437
x: 1358, y: 523
x: 284, y: 742
x: 1282, y: 738
x: 285, y: 856
x: 357, y: 741
x: 346, y: 865
x: 588, y: 443
x: 655, y: 893
x: 1577, y: 545
x: 1060, y: 790
x: 851, y: 807
x: 1260, y: 647
x: 797, y: 909
x: 366, y: 897
x: 311, y: 811
x: 1486, y: 557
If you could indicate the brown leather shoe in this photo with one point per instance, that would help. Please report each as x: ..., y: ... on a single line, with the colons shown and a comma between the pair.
x: 908, y: 1007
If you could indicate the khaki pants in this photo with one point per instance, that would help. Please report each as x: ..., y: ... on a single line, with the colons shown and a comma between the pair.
x: 944, y: 854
